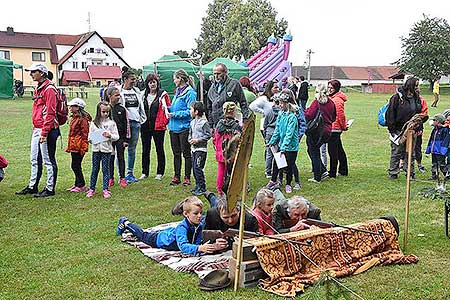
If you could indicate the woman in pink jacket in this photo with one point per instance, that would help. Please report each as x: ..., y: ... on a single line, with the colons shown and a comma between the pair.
x: 335, y: 149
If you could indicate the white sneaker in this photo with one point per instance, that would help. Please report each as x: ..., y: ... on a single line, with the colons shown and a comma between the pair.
x: 313, y: 180
x: 158, y: 176
x: 297, y: 186
x: 143, y: 176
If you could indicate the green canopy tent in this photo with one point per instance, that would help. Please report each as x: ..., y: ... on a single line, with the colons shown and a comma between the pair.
x: 165, y: 71
x: 6, y: 79
x: 235, y: 70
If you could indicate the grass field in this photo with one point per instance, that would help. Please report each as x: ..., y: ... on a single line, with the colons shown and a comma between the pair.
x: 64, y: 247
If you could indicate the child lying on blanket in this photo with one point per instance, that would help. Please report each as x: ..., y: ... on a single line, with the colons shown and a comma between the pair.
x: 186, y: 237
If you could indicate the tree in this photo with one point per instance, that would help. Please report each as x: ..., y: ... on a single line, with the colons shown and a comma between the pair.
x: 211, y: 38
x: 426, y: 51
x: 181, y: 53
x: 233, y: 28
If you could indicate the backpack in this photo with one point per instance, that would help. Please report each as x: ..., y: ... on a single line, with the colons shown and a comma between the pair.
x: 62, y: 110
x: 382, y: 114
x: 315, y: 124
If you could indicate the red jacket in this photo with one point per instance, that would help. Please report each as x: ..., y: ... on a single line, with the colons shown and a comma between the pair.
x: 43, y: 113
x: 77, y: 141
x: 263, y: 221
x: 161, y: 120
x: 341, y: 122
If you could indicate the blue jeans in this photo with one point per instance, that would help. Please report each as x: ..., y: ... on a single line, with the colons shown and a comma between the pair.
x: 104, y: 158
x: 148, y: 238
x: 135, y: 127
x: 198, y: 163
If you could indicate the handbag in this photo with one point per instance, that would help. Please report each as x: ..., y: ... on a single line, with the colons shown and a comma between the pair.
x: 315, y: 125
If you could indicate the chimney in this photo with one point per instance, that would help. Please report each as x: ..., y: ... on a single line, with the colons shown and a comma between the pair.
x: 9, y: 31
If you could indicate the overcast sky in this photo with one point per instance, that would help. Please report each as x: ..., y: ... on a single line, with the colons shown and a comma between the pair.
x: 345, y: 32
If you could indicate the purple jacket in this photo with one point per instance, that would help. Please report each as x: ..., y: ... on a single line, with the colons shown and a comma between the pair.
x: 328, y: 114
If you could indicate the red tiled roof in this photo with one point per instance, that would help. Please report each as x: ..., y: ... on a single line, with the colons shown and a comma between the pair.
x: 49, y: 41
x: 104, y: 72
x: 75, y: 76
x: 24, y: 40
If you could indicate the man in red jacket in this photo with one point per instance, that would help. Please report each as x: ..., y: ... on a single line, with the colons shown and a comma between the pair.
x: 45, y: 132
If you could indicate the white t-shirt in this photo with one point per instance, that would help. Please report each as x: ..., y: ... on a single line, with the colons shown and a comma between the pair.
x: 132, y: 101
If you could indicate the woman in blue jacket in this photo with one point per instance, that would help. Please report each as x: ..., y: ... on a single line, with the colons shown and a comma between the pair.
x: 179, y: 120
x: 286, y: 136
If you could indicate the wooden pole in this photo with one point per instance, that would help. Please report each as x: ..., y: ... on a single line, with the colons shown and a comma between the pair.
x: 237, y: 273
x: 409, y: 149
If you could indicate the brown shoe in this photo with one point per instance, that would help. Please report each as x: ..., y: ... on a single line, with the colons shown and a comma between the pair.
x: 175, y: 180
x: 186, y: 181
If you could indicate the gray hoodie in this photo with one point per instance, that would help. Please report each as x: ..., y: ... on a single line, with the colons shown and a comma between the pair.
x: 199, y: 130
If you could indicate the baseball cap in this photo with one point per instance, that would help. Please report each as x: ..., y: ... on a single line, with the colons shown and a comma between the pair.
x: 38, y: 67
x: 439, y: 117
x: 77, y: 102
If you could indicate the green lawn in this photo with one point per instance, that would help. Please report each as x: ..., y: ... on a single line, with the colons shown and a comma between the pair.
x: 64, y: 247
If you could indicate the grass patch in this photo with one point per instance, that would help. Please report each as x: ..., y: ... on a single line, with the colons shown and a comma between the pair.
x: 64, y: 247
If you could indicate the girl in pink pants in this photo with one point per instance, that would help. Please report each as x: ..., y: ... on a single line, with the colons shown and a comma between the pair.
x: 225, y: 129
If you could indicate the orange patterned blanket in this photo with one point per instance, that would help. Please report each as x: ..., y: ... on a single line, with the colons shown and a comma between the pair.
x: 340, y: 251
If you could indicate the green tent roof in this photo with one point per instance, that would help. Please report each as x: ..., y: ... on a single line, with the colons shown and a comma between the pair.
x: 165, y: 71
x: 6, y: 82
x: 234, y: 70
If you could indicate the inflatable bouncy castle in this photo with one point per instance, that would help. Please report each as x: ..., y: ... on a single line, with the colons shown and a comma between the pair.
x: 271, y: 62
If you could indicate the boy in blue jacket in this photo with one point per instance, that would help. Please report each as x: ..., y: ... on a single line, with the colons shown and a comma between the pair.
x: 186, y: 237
x: 438, y: 146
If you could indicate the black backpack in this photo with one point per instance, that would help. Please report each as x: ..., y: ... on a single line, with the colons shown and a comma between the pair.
x: 315, y: 125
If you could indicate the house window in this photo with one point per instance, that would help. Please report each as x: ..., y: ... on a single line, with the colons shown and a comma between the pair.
x: 75, y: 65
x: 83, y: 65
x: 5, y: 54
x: 107, y: 64
x: 38, y: 56
x: 91, y: 50
x: 114, y: 64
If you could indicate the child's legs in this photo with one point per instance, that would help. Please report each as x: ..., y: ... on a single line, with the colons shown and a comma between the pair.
x: 105, y: 157
x: 96, y: 158
x: 434, y: 165
x: 291, y: 156
x: 112, y: 160
x: 221, y: 170
x: 148, y: 238
x: 441, y: 164
x: 198, y: 163
x: 120, y: 154
x: 77, y: 159
x: 275, y: 172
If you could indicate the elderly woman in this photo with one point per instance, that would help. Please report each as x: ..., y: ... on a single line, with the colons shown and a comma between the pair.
x: 289, y: 214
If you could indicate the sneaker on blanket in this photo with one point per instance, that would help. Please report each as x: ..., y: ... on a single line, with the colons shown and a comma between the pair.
x: 121, y: 226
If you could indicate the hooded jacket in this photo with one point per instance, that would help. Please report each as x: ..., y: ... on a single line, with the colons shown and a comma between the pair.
x: 401, y: 109
x: 185, y: 237
x: 286, y: 132
x: 339, y: 100
x: 43, y: 112
x: 77, y: 141
x: 439, y: 141
x: 155, y: 111
x: 180, y: 109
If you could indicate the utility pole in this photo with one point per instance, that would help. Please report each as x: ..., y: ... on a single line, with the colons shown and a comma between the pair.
x: 308, y: 60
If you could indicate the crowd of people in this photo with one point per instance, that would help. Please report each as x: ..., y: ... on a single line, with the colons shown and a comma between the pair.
x: 125, y: 112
